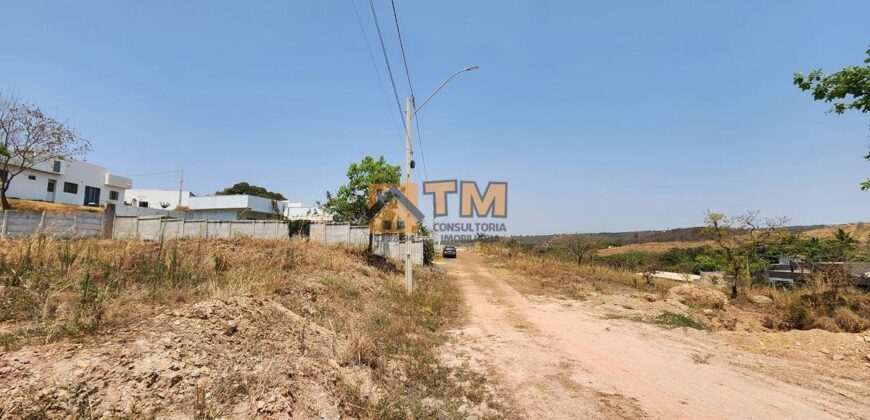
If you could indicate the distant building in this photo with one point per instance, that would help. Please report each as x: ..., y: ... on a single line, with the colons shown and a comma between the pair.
x: 158, y: 199
x: 300, y: 211
x: 69, y: 182
x: 234, y: 207
x: 224, y: 207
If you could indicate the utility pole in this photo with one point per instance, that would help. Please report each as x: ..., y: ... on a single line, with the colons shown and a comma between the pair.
x: 410, y: 111
x: 409, y: 278
x: 180, y: 187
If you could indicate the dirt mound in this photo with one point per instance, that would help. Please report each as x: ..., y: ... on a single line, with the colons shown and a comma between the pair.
x: 698, y: 296
x: 238, y: 357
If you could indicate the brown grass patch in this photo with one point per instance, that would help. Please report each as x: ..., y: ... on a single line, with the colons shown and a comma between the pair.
x: 56, y: 290
x: 41, y: 206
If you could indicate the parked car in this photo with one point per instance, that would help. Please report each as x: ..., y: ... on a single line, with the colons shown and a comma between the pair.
x: 449, y: 251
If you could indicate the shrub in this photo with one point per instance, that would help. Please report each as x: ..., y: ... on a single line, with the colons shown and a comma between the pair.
x: 674, y: 320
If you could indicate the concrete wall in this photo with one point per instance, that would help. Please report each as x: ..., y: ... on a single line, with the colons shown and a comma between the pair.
x: 15, y: 224
x: 146, y: 211
x: 80, y: 173
x: 157, y: 228
x: 386, y: 245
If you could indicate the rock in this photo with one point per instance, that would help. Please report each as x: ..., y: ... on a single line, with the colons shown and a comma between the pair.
x: 867, y: 356
x: 231, y: 329
x: 174, y: 380
x: 708, y: 312
x: 867, y: 338
x: 5, y: 369
x: 649, y: 297
x: 825, y: 351
x: 837, y: 357
x: 698, y: 296
x: 761, y: 300
x: 261, y: 405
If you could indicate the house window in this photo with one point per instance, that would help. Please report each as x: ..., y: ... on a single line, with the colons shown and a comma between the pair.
x: 56, y: 166
x: 143, y: 204
x: 113, y: 195
x: 50, y: 187
x: 31, y: 177
x: 69, y: 187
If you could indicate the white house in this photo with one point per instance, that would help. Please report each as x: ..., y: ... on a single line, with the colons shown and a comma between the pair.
x: 69, y: 182
x: 158, y: 199
x: 234, y: 207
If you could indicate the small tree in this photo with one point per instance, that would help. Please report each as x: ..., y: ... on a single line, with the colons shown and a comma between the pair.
x: 580, y: 246
x: 243, y: 188
x: 742, y: 240
x: 29, y: 138
x: 351, y: 202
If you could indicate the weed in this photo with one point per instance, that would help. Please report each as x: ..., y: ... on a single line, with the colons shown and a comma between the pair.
x: 675, y: 320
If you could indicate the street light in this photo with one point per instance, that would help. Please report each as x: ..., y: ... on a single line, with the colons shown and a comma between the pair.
x: 472, y: 68
x: 409, y: 106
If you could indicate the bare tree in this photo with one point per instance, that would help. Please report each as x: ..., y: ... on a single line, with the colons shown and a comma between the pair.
x: 742, y: 239
x: 28, y: 138
x: 579, y: 245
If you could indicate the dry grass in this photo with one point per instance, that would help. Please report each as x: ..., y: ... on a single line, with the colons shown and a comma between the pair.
x: 651, y: 247
x: 860, y: 231
x: 41, y: 206
x: 826, y: 303
x: 558, y: 275
x: 69, y: 290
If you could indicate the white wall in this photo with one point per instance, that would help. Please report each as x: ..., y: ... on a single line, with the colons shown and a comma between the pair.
x: 82, y: 174
x: 155, y: 197
x: 299, y: 211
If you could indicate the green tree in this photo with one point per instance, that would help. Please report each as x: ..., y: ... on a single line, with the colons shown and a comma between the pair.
x: 4, y: 152
x: 350, y: 202
x: 742, y: 240
x: 846, y: 89
x: 243, y: 188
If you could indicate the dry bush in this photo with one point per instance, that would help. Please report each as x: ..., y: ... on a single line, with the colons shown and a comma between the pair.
x: 59, y: 289
x: 565, y: 276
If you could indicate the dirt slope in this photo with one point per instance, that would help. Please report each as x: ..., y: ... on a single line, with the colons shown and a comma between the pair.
x: 235, y: 350
x: 572, y: 359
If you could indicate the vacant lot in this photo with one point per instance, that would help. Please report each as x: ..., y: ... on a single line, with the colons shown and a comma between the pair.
x: 603, y: 349
x: 237, y: 328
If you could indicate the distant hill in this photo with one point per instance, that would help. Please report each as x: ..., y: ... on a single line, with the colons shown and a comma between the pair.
x: 690, y: 234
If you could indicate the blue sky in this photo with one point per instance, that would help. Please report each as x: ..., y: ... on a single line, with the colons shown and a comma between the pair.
x: 602, y: 116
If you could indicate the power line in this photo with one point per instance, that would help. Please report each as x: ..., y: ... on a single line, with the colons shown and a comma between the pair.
x: 402, y: 47
x: 157, y: 173
x: 374, y: 63
x: 420, y: 141
x: 387, y: 59
x: 410, y: 88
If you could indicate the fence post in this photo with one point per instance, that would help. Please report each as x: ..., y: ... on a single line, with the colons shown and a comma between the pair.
x: 206, y: 229
x: 137, y: 227
x: 75, y: 227
x: 41, y: 223
x: 3, y: 226
x: 108, y: 222
x: 183, y: 222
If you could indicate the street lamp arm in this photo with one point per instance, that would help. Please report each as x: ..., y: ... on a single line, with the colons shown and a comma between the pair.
x: 472, y: 68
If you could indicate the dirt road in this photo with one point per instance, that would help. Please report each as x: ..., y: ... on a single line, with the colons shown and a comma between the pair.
x: 558, y: 358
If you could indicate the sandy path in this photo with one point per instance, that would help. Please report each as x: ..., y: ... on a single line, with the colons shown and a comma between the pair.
x: 562, y: 359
